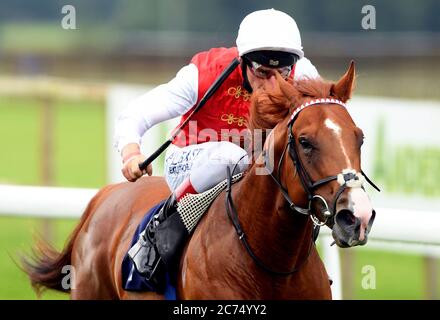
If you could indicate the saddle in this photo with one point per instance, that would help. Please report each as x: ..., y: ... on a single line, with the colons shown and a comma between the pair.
x: 190, y: 209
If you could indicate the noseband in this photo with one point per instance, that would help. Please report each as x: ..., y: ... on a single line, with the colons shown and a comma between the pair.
x: 348, y: 178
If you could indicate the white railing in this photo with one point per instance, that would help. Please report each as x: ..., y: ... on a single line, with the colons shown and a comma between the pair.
x: 393, y: 229
x: 44, y: 202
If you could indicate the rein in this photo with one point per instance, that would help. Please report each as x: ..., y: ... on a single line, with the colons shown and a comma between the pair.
x: 233, y: 216
x: 346, y: 179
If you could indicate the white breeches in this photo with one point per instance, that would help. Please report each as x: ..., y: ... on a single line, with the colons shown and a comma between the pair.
x: 204, y: 163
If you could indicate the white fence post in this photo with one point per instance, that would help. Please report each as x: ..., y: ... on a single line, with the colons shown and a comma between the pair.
x: 332, y: 264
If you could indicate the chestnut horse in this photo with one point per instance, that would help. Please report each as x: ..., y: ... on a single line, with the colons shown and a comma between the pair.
x: 256, y: 242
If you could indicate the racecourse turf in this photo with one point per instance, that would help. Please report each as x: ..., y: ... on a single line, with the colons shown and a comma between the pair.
x: 79, y: 161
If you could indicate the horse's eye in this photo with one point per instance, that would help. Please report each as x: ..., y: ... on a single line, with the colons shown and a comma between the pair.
x: 305, y: 144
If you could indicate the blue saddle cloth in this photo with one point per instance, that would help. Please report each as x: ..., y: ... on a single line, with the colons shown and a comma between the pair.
x: 133, y: 280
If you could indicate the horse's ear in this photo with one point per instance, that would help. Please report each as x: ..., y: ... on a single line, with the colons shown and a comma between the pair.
x: 343, y: 88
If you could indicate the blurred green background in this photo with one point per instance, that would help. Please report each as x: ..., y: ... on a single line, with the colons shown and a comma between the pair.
x: 146, y: 42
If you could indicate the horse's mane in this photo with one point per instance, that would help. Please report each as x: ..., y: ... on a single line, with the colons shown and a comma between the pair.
x: 272, y: 102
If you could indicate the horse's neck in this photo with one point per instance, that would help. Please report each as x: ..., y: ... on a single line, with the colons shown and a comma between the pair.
x: 278, y: 237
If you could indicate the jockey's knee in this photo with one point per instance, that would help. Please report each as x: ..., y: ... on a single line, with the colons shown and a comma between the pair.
x: 230, y: 154
x: 213, y: 170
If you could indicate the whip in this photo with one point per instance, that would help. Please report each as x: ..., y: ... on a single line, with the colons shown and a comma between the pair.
x: 212, y: 89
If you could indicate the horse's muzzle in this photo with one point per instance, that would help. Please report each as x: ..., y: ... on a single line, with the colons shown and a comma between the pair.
x: 349, y: 231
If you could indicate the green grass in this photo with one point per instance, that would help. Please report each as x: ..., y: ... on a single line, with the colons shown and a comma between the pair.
x: 79, y: 159
x: 80, y: 146
x: 79, y: 143
x: 398, y: 276
x: 19, y: 141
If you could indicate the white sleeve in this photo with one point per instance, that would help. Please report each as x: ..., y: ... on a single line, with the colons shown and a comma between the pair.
x: 162, y: 103
x: 305, y: 69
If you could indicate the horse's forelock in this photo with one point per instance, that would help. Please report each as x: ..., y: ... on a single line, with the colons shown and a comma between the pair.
x: 271, y: 104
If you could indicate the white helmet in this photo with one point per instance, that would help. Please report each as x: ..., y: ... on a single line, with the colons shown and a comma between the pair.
x: 269, y: 30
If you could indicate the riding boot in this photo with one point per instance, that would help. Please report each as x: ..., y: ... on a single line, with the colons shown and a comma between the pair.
x: 171, y: 237
x: 144, y: 253
x: 160, y: 245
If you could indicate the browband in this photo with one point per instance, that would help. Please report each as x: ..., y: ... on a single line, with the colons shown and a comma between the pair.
x: 314, y: 102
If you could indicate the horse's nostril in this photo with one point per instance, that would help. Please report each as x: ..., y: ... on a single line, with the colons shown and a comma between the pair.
x: 345, y: 217
x: 348, y: 229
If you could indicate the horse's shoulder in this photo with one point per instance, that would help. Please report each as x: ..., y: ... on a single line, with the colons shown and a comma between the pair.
x: 144, y: 183
x: 153, y: 182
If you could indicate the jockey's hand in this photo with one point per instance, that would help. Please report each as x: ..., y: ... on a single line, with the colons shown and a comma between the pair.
x: 131, y: 170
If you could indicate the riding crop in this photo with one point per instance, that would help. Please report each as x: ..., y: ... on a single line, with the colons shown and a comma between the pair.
x: 212, y: 89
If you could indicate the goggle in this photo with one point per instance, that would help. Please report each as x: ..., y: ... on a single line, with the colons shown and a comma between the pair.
x: 263, y: 72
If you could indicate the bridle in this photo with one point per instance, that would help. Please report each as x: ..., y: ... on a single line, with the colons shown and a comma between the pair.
x: 346, y: 179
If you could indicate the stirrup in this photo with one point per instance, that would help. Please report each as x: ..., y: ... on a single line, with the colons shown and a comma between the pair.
x: 144, y: 255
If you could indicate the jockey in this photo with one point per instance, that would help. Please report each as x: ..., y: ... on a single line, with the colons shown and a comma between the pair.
x: 267, y: 40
